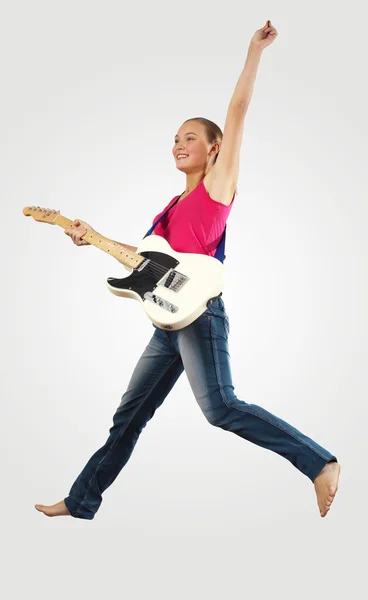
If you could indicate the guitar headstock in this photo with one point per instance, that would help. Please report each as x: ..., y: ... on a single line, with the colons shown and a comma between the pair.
x: 44, y: 215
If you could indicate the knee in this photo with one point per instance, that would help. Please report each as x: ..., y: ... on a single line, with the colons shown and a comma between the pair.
x: 223, y: 415
x: 215, y: 418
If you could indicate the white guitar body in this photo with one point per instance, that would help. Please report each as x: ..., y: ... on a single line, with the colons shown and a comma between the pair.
x: 174, y: 288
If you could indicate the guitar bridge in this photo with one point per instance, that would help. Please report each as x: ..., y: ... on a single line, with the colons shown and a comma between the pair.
x: 173, y: 280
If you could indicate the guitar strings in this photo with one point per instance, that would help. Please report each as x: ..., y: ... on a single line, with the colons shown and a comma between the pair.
x: 156, y: 269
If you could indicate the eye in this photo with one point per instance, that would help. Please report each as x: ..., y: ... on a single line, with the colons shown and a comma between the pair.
x: 189, y: 138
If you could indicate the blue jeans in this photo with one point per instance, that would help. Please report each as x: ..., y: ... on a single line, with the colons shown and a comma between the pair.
x: 202, y: 350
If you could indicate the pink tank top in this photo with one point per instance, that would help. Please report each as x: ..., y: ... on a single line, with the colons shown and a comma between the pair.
x: 195, y: 224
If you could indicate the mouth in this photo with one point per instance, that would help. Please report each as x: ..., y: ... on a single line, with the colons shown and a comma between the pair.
x: 181, y: 157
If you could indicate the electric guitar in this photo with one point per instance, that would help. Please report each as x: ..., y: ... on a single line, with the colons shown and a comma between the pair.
x: 174, y: 288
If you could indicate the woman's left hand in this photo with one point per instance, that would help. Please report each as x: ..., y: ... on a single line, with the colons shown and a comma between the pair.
x: 264, y: 37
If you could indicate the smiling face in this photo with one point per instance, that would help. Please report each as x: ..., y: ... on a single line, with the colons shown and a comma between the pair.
x: 191, y: 140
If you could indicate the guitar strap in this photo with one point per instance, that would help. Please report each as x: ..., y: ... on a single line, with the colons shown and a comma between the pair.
x: 220, y: 252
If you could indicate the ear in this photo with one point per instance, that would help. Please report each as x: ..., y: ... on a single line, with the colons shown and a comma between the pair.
x: 216, y: 149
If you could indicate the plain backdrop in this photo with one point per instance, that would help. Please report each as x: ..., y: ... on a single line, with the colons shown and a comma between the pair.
x: 92, y: 94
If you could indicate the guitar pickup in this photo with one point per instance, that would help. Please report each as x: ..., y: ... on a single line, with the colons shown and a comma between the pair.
x: 173, y: 280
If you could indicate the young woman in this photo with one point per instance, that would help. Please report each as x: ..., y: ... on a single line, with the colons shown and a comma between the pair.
x: 195, y: 223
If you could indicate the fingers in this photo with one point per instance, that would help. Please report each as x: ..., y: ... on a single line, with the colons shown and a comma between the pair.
x: 76, y: 231
x: 76, y: 236
x: 268, y: 28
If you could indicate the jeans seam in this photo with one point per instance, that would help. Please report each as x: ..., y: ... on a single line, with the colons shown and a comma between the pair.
x: 223, y: 396
x: 77, y: 512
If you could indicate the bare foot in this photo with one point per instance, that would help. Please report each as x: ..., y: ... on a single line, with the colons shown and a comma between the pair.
x: 55, y: 510
x: 326, y: 485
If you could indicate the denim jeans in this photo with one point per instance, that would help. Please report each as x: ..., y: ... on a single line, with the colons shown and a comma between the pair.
x: 201, y: 349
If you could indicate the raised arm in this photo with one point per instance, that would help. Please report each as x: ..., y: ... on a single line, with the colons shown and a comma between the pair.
x: 227, y: 163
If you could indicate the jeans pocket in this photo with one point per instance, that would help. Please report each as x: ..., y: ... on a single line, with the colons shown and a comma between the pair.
x: 217, y: 309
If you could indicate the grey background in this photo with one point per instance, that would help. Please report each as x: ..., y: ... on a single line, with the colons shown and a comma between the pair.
x: 92, y: 94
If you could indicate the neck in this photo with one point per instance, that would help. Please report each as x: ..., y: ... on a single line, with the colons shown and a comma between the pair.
x: 193, y: 180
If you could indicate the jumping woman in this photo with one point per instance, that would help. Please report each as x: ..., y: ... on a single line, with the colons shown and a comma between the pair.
x: 195, y: 222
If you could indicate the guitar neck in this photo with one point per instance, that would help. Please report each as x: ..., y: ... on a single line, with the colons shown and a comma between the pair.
x: 128, y: 258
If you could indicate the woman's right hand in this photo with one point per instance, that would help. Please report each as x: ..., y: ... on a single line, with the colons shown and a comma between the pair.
x: 76, y: 230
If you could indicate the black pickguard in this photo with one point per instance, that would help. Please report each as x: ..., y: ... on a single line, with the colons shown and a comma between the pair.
x: 146, y: 280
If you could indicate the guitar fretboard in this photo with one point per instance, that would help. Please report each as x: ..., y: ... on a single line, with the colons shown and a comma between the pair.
x: 128, y: 258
